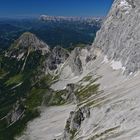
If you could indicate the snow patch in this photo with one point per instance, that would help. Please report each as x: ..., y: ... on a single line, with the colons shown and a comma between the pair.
x: 116, y: 65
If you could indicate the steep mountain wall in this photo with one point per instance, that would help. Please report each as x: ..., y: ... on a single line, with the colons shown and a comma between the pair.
x: 119, y: 37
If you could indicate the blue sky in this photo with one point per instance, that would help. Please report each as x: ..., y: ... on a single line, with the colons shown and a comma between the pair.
x: 17, y: 8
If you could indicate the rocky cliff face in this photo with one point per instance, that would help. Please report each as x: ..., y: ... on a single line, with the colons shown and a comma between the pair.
x: 119, y: 37
x: 56, y: 60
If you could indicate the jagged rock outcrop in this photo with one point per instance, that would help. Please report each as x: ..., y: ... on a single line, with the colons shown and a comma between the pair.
x: 76, y: 63
x: 73, y: 66
x: 74, y: 121
x: 71, y: 88
x: 29, y: 40
x: 56, y: 59
x: 119, y: 37
x: 27, y: 43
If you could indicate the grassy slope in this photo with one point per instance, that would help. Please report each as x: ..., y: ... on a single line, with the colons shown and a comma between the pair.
x: 30, y: 86
x: 30, y: 89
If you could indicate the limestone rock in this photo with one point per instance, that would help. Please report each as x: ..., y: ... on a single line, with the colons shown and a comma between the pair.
x: 27, y: 43
x: 119, y: 36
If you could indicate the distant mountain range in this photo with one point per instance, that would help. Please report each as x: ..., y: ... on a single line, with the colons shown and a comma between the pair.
x: 89, y: 20
x: 63, y: 31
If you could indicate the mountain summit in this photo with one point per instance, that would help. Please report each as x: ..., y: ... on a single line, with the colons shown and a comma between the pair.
x: 29, y: 41
x: 26, y: 44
